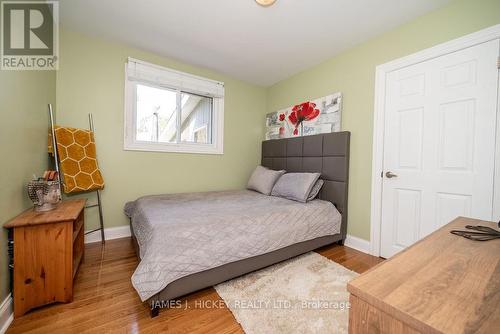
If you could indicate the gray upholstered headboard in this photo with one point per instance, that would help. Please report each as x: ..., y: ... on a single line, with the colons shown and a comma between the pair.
x: 327, y: 154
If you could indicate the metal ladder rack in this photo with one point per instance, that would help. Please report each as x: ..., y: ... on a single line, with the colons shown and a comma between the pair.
x: 56, y: 162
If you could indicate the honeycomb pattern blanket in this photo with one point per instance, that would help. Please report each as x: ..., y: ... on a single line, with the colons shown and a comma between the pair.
x: 182, y: 234
x: 77, y: 157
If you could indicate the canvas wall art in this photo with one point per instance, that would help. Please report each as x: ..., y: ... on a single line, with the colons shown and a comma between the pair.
x: 313, y: 117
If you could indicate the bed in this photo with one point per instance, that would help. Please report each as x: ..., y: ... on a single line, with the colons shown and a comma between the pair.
x: 187, y: 242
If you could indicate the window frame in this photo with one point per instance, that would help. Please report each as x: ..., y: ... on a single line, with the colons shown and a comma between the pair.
x: 130, y: 143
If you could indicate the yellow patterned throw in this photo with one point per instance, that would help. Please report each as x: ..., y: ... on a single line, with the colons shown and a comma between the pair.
x: 78, y: 162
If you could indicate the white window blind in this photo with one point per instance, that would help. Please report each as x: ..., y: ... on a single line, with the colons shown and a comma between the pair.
x: 145, y: 72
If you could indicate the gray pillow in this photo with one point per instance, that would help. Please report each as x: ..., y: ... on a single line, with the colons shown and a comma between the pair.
x: 263, y: 179
x: 295, y: 186
x: 315, y: 190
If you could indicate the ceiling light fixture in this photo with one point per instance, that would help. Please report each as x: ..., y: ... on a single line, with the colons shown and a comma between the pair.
x: 265, y: 3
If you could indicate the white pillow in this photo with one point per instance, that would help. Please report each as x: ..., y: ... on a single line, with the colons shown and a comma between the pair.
x: 263, y: 179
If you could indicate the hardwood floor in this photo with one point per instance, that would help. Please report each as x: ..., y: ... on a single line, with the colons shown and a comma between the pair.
x: 105, y: 301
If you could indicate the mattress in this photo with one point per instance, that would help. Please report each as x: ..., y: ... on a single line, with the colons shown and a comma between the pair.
x: 183, y: 234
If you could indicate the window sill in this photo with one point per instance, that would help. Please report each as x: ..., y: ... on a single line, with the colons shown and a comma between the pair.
x: 175, y: 148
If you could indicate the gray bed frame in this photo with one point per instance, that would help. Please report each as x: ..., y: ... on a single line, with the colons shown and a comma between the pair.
x: 327, y: 154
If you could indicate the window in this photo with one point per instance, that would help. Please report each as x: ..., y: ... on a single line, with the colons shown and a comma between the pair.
x: 200, y: 134
x: 171, y: 111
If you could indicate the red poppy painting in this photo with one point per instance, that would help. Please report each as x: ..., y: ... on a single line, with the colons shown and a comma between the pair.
x: 302, y: 112
x: 312, y: 117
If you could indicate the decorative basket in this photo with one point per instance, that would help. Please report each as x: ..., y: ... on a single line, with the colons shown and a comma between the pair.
x: 45, y: 195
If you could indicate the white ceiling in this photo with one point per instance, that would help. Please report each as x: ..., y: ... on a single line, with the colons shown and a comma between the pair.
x: 238, y: 37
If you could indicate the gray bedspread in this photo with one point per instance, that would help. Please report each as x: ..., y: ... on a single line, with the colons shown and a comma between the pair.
x: 182, y: 234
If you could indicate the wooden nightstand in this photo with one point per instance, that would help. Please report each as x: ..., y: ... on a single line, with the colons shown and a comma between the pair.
x: 48, y: 249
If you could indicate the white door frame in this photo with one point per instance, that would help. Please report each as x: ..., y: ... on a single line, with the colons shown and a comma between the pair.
x: 496, y: 182
x: 381, y: 72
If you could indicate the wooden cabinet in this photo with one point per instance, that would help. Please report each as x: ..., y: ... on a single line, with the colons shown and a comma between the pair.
x: 442, y: 284
x: 48, y: 249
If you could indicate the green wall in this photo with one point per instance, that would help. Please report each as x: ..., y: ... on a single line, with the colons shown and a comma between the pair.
x: 24, y: 96
x: 91, y: 79
x: 353, y: 73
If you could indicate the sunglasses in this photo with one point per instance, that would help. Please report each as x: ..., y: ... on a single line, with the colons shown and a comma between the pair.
x: 478, y: 233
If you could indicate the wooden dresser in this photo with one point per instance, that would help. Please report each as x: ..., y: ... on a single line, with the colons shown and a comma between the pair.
x: 442, y: 284
x: 48, y: 249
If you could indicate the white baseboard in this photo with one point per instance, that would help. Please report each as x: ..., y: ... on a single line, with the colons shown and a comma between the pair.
x: 109, y: 234
x: 6, y: 314
x: 359, y: 244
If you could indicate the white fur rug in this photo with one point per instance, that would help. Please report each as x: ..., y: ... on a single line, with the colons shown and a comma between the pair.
x: 306, y: 294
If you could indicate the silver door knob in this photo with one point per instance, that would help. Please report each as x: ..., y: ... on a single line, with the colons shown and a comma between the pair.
x: 390, y: 175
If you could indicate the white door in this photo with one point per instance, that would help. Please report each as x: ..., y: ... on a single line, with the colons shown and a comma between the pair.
x: 439, y: 144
